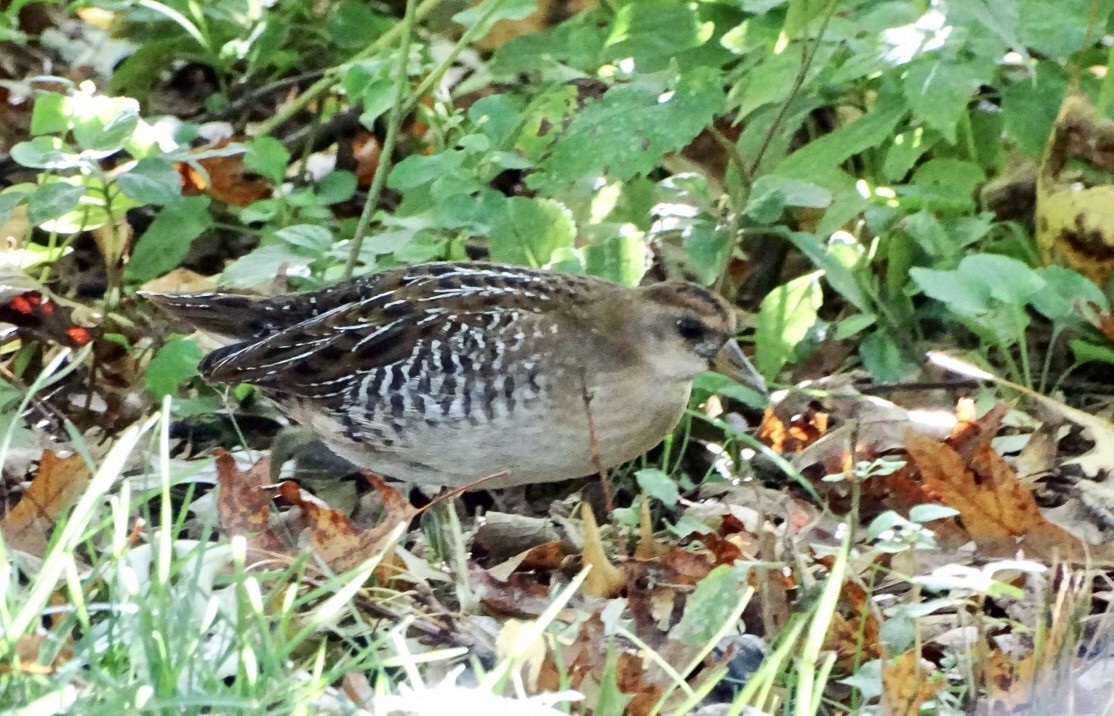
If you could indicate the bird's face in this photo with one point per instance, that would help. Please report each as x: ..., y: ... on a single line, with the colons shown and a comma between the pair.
x: 687, y: 328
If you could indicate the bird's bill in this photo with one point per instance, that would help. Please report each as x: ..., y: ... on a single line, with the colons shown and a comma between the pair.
x: 731, y: 361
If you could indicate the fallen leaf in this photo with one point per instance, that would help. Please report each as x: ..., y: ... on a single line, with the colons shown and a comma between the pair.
x: 339, y: 542
x: 243, y: 505
x: 906, y: 687
x: 57, y: 485
x: 997, y: 511
x: 605, y: 579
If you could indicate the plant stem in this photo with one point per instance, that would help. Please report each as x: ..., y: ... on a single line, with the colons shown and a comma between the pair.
x: 394, y: 119
x: 798, y: 82
x: 329, y: 79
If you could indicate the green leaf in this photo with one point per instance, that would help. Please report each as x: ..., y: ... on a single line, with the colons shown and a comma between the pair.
x: 268, y: 157
x: 929, y: 512
x: 708, y: 246
x: 173, y: 363
x: 610, y: 699
x: 871, y: 130
x: 166, y: 242
x: 529, y: 231
x: 620, y: 258
x: 336, y: 187
x: 498, y: 116
x: 938, y: 92
x: 653, y: 32
x: 1086, y: 351
x: 628, y: 131
x: 1010, y: 281
x: 953, y: 289
x: 883, y: 359
x: 49, y: 201
x: 264, y: 264
x: 784, y: 319
x: 719, y: 384
x: 1066, y: 289
x: 710, y: 605
x: 771, y: 194
x: 483, y: 16
x: 314, y: 239
x: 836, y: 266
x: 51, y: 114
x: 103, y: 124
x: 659, y: 485
x: 416, y: 170
x: 770, y: 83
x: 46, y: 153
x: 153, y: 180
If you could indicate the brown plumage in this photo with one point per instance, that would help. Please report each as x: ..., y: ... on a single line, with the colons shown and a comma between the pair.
x: 444, y: 373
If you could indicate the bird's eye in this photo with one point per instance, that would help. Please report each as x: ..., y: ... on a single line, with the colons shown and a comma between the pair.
x: 690, y: 329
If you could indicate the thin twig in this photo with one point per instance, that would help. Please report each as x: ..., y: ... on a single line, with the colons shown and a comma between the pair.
x: 394, y: 120
x: 326, y: 83
x: 798, y: 82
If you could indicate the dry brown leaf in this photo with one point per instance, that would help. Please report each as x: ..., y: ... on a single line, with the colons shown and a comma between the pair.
x: 605, y: 579
x: 224, y: 179
x: 905, y: 686
x: 243, y: 505
x: 997, y: 511
x: 648, y: 547
x: 789, y: 434
x: 57, y: 484
x: 339, y: 542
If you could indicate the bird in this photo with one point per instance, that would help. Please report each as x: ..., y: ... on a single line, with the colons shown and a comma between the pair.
x: 445, y: 373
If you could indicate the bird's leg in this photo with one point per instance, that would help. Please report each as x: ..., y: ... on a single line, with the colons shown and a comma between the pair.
x: 594, y: 445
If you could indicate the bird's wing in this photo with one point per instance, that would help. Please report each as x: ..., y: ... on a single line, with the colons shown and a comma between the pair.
x: 400, y: 323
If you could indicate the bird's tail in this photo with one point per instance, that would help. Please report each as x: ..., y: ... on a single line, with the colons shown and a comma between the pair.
x: 226, y: 315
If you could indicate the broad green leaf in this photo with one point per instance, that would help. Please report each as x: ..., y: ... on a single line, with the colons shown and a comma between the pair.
x: 1086, y: 351
x: 954, y: 289
x: 314, y: 239
x: 1056, y: 29
x: 49, y: 201
x: 707, y: 246
x: 770, y: 83
x: 659, y: 485
x: 336, y: 187
x: 174, y: 362
x: 621, y: 258
x: 264, y: 264
x: 46, y: 153
x: 784, y: 319
x: 831, y: 150
x: 716, y: 596
x: 166, y: 242
x: 628, y: 131
x: 770, y: 195
x: 653, y: 32
x: 483, y: 16
x: 939, y: 90
x: 51, y: 114
x: 837, y: 271
x: 1010, y: 281
x: 1066, y: 288
x: 103, y: 124
x: 268, y: 157
x: 531, y: 230
x: 151, y: 181
x: 883, y: 359
x: 498, y: 116
x: 904, y: 151
x: 416, y: 170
